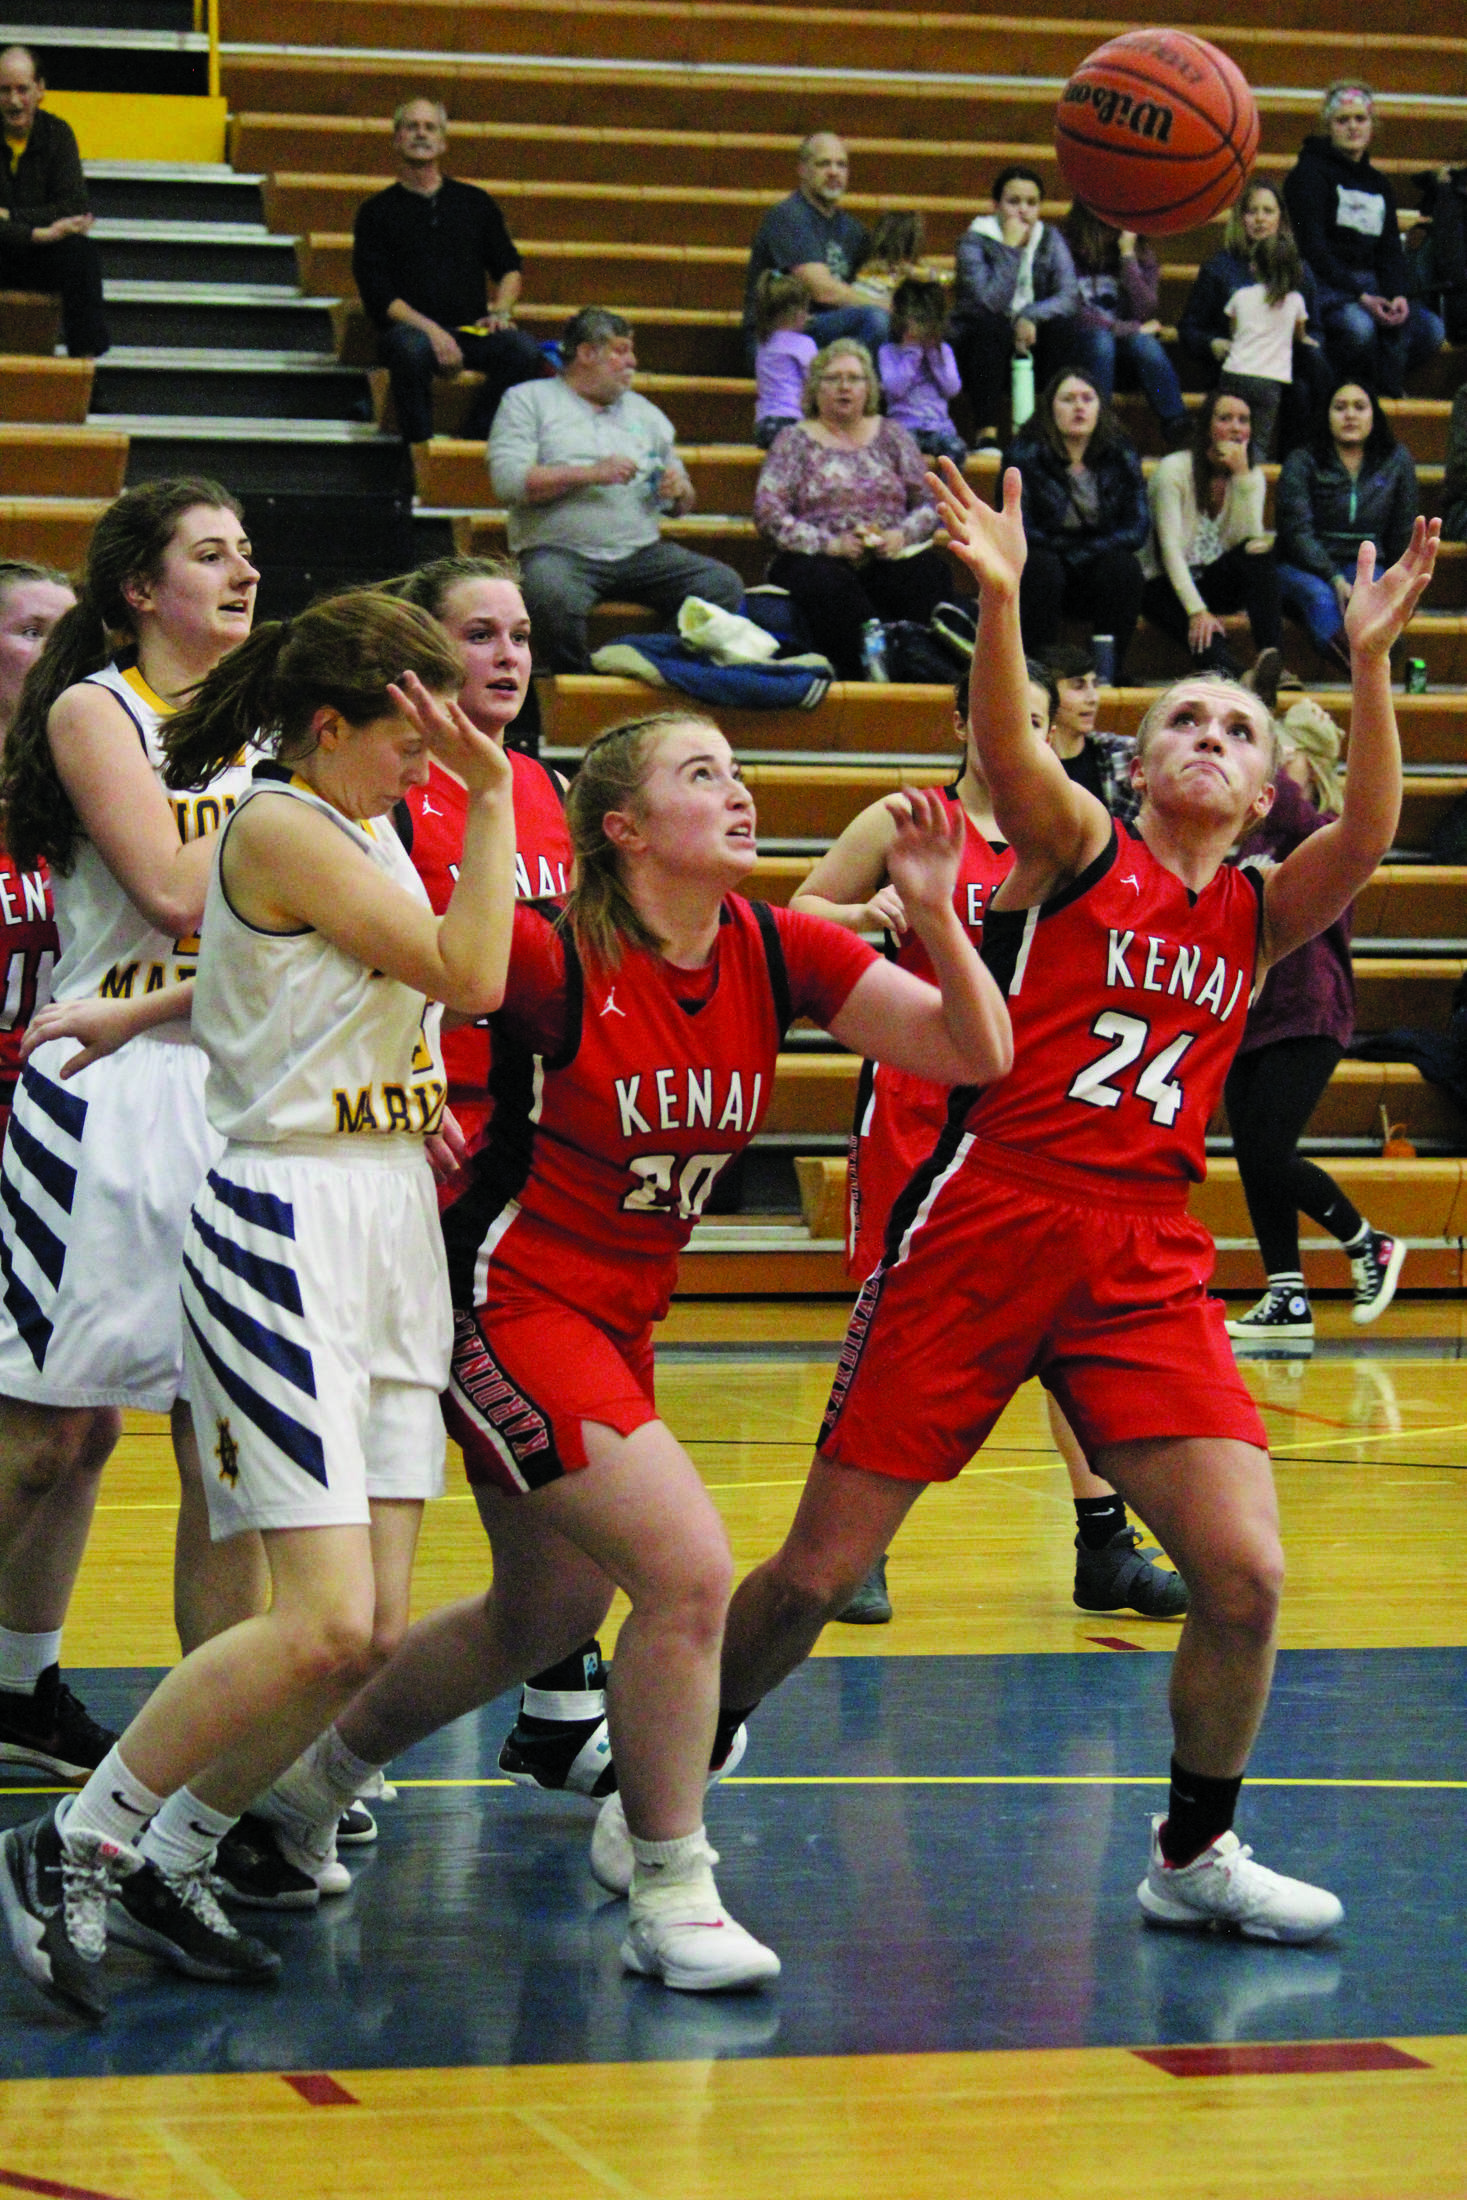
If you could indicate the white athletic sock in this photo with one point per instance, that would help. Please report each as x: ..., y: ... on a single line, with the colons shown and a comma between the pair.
x: 665, y: 1863
x: 324, y: 1778
x: 1356, y: 1244
x: 114, y: 1803
x: 184, y: 1834
x: 1286, y: 1279
x: 24, y: 1658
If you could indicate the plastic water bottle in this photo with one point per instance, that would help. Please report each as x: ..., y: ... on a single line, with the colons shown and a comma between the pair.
x: 873, y: 650
x: 1103, y: 650
x: 1021, y: 389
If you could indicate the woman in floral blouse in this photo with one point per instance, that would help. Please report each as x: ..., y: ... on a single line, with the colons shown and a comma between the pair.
x: 843, y: 498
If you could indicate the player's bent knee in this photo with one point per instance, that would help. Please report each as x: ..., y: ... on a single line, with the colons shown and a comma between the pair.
x: 1242, y: 1590
x: 41, y: 1458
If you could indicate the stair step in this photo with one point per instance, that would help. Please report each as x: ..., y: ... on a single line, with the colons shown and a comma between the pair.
x: 242, y: 428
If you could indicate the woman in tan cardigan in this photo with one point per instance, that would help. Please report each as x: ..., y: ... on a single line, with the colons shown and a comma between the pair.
x: 1208, y: 552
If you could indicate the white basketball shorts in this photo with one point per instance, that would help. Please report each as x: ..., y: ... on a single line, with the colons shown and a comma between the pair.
x: 317, y: 1332
x: 97, y: 1179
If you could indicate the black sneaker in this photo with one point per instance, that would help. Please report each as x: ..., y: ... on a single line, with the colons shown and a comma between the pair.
x: 50, y: 1729
x: 871, y: 1605
x: 1122, y: 1577
x: 559, y: 1753
x: 356, y: 1828
x: 55, y: 1903
x: 1281, y: 1316
x: 1376, y: 1272
x: 249, y: 1869
x: 180, y: 1921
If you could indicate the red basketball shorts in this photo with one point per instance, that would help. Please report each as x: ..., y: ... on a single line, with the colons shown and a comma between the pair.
x: 901, y: 1124
x: 1010, y: 1265
x: 527, y: 1371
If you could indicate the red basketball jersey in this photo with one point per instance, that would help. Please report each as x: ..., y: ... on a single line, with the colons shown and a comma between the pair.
x: 28, y: 950
x: 542, y: 864
x: 1128, y: 995
x: 620, y: 1097
x: 899, y: 1116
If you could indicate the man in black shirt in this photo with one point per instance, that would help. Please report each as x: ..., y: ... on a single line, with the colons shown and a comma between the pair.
x: 44, y: 217
x: 424, y: 253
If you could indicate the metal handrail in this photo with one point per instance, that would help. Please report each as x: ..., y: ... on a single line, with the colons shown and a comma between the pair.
x: 213, y: 16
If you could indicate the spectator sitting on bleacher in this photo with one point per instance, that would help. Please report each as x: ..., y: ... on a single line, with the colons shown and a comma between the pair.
x: 1016, y: 296
x: 1085, y: 517
x: 808, y: 235
x: 1345, y: 219
x: 585, y: 466
x: 1099, y: 761
x: 1116, y: 326
x: 1260, y: 253
x: 1352, y: 485
x: 918, y: 371
x: 44, y: 216
x: 843, y: 498
x: 897, y: 239
x: 1209, y: 552
x: 1454, y: 484
x: 423, y: 254
x: 781, y: 318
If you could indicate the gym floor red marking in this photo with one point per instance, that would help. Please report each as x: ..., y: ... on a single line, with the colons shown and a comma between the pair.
x: 1291, y: 2059
x: 320, y: 2089
x: 1113, y: 1642
x: 13, y: 2181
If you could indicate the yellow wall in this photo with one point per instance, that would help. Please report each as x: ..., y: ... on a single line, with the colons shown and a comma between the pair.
x: 140, y: 126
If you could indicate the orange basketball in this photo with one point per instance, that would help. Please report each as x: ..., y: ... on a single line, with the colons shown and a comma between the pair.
x: 1156, y: 131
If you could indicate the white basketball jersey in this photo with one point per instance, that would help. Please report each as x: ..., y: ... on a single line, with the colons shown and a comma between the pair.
x: 303, y: 1040
x: 108, y: 947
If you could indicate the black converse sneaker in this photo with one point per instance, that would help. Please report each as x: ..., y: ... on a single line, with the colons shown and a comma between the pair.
x: 1120, y: 1576
x: 50, y: 1729
x: 178, y: 1919
x: 250, y: 1869
x: 1281, y: 1316
x: 1376, y: 1269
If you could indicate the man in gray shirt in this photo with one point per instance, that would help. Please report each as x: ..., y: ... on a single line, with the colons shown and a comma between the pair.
x: 586, y: 467
x: 808, y: 235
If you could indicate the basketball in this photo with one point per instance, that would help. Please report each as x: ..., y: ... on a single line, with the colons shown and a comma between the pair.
x: 1156, y: 131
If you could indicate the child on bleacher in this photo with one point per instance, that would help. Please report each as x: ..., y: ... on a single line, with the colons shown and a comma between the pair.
x: 1267, y: 318
x: 781, y: 309
x: 896, y: 254
x: 918, y: 371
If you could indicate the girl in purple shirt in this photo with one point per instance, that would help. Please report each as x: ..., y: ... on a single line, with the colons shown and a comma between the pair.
x: 781, y: 309
x: 918, y: 371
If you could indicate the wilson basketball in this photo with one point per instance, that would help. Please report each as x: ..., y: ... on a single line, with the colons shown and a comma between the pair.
x: 1156, y: 131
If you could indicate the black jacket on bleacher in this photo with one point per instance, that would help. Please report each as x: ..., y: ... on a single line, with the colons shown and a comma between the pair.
x: 434, y: 252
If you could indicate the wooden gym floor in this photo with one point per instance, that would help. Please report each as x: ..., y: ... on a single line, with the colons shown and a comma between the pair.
x: 939, y: 1824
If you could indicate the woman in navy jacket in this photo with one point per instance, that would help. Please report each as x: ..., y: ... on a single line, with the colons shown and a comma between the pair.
x: 1085, y: 517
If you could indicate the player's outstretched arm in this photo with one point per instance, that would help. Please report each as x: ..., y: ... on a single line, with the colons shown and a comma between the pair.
x: 1055, y: 826
x: 1322, y: 876
x: 959, y: 1033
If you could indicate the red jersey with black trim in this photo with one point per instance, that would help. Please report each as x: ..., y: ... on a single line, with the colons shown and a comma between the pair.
x: 899, y: 1115
x: 621, y: 1096
x: 28, y: 949
x: 1128, y: 994
x: 439, y: 813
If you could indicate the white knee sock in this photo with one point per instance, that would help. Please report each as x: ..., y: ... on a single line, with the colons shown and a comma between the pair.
x: 24, y: 1658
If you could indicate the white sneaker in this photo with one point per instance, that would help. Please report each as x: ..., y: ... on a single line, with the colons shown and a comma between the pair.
x: 683, y: 1935
x: 377, y: 1788
x: 1224, y: 1887
x: 308, y: 1844
x: 611, y: 1844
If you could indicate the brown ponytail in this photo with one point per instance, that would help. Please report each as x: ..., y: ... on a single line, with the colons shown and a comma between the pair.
x: 343, y: 653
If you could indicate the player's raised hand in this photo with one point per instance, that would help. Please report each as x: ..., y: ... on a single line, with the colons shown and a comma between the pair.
x: 455, y: 740
x: 990, y: 543
x: 922, y: 861
x: 1380, y: 607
